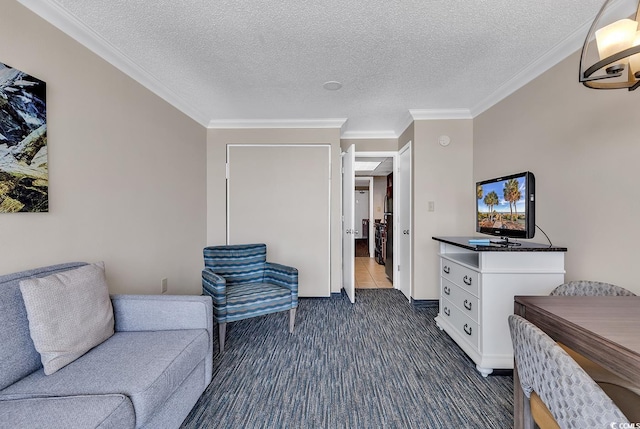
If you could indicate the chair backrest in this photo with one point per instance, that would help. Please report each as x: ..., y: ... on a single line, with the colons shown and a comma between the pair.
x: 237, y: 263
x: 574, y: 399
x: 590, y: 288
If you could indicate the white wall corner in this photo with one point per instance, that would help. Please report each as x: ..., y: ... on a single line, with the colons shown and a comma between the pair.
x: 403, y: 123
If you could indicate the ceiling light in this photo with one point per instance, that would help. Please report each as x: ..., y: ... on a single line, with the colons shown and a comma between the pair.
x: 611, y: 53
x: 366, y: 165
x: 332, y: 85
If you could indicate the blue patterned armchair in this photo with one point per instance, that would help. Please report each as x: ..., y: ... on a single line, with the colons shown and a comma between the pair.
x: 243, y: 284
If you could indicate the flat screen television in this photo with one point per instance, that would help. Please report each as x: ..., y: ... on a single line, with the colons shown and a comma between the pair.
x: 506, y: 206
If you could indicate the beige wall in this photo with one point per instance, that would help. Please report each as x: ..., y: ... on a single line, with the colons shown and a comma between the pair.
x: 217, y: 141
x: 443, y: 175
x: 583, y: 147
x: 127, y: 170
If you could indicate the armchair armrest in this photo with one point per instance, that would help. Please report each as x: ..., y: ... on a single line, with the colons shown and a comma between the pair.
x: 284, y: 276
x: 215, y: 286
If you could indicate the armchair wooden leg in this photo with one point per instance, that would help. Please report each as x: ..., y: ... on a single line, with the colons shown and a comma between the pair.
x: 222, y: 331
x: 292, y: 319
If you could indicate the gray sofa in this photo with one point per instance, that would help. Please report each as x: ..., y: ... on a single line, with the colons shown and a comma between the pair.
x: 149, y: 374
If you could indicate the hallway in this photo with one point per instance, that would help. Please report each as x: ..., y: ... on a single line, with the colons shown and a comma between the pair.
x: 370, y: 274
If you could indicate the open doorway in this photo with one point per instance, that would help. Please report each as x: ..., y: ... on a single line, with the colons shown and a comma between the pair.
x: 393, y: 249
x: 374, y: 218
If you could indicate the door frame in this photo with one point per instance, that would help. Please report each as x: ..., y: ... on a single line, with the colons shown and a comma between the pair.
x: 347, y: 223
x: 407, y: 259
x: 382, y: 154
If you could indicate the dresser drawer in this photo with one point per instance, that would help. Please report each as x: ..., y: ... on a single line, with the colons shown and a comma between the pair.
x: 466, y: 303
x: 460, y: 275
x: 467, y: 328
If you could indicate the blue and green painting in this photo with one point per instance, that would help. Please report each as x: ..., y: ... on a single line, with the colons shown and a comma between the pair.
x: 24, y: 173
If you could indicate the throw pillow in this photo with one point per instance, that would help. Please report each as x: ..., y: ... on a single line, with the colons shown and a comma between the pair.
x: 69, y: 313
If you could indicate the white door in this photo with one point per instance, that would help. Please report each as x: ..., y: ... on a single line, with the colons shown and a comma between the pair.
x: 404, y: 231
x: 348, y: 230
x: 280, y: 195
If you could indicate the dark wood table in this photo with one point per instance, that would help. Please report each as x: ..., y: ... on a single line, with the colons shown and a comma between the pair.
x: 605, y: 329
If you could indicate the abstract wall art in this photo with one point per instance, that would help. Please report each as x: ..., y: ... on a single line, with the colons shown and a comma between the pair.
x: 24, y: 173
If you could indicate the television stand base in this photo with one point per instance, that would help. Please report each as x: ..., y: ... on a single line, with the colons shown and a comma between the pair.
x: 505, y: 242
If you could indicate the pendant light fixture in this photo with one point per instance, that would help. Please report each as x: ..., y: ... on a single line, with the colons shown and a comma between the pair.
x: 611, y: 53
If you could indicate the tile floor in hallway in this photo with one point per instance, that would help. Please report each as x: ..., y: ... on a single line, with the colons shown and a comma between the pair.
x: 370, y: 274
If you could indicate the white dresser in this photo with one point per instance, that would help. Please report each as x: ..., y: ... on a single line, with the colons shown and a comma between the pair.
x: 477, y: 286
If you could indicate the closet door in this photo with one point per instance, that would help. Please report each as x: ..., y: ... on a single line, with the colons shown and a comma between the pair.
x: 280, y: 195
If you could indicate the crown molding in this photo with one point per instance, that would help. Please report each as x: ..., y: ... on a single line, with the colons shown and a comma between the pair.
x: 57, y: 16
x: 278, y: 123
x: 430, y: 114
x: 361, y: 135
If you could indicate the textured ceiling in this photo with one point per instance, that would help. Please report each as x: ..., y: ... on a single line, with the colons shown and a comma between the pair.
x: 249, y: 60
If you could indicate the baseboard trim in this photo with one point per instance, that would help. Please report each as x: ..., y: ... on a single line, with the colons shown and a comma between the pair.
x: 425, y: 303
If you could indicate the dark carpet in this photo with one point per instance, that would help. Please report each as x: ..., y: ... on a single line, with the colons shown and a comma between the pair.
x: 379, y: 363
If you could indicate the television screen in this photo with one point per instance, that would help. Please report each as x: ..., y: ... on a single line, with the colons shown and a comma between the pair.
x: 506, y: 206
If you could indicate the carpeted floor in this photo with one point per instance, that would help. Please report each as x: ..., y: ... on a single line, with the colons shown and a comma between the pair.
x: 379, y: 363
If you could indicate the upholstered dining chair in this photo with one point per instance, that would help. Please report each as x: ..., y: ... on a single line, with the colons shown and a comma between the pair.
x: 590, y: 288
x: 561, y: 394
x: 243, y: 284
x: 624, y: 394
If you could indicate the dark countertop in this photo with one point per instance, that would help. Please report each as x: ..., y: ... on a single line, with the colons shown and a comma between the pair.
x: 524, y: 246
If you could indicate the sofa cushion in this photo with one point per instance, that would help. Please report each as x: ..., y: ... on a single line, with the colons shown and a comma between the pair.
x: 69, y: 313
x: 18, y: 356
x: 147, y: 366
x: 95, y: 411
x: 183, y: 401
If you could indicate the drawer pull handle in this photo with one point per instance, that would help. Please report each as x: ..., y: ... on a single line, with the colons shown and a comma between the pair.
x: 447, y: 311
x: 447, y: 290
x: 467, y: 305
x: 446, y: 269
x: 465, y: 329
x: 467, y: 280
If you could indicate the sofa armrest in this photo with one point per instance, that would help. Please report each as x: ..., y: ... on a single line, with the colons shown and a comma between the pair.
x: 165, y: 313
x: 161, y: 312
